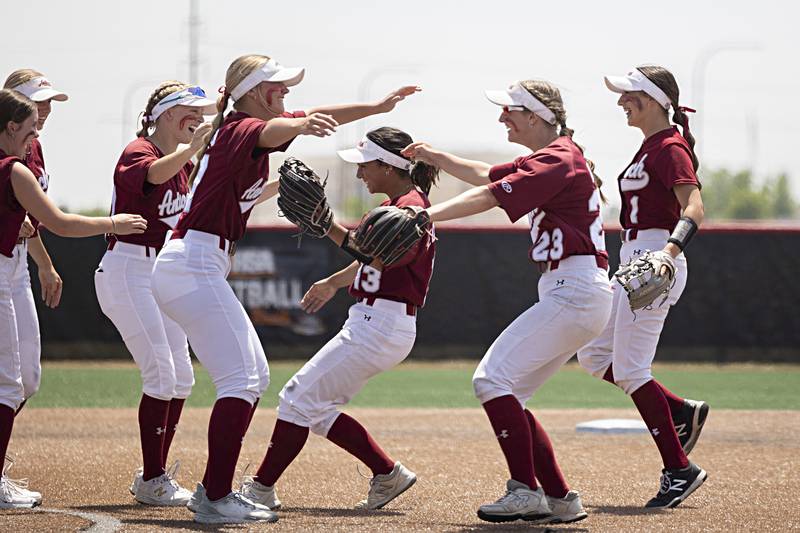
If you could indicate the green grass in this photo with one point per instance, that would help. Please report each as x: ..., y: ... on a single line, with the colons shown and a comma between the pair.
x: 443, y: 385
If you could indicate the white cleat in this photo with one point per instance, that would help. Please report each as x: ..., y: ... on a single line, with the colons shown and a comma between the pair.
x: 384, y: 488
x: 232, y: 509
x: 197, y: 498
x: 137, y: 480
x: 260, y: 493
x: 15, y: 496
x: 565, y: 510
x: 518, y: 503
x: 162, y: 491
x: 18, y: 487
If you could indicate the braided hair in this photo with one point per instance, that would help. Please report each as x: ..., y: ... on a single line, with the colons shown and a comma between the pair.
x: 162, y: 91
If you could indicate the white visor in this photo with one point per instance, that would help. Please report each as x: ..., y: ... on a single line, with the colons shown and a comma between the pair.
x: 271, y: 71
x: 366, y: 151
x: 40, y: 89
x: 636, y: 81
x: 517, y: 95
x: 191, y: 97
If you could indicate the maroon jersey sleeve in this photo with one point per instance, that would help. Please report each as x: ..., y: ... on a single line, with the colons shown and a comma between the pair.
x: 675, y: 166
x: 35, y: 163
x: 534, y: 182
x: 133, y: 166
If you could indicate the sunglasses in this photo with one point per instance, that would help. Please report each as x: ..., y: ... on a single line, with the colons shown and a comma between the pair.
x: 191, y: 91
x: 509, y: 108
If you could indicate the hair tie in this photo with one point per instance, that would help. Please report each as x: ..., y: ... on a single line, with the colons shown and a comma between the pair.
x: 685, y: 109
x: 223, y: 90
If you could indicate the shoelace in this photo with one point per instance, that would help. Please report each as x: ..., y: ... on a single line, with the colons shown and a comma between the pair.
x: 246, y: 481
x: 507, y: 497
x: 172, y: 473
x: 20, y: 486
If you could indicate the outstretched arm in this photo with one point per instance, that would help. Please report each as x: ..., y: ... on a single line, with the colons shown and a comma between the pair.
x: 345, y: 113
x: 468, y: 170
x: 322, y: 291
x: 30, y: 195
x: 468, y: 203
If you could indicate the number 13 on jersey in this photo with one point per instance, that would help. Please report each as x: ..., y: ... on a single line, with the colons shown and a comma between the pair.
x: 367, y: 279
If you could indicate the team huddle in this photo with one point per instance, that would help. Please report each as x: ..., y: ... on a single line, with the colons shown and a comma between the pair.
x: 184, y: 190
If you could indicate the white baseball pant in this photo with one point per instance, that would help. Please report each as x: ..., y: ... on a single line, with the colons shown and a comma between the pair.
x: 373, y: 339
x: 628, y: 340
x: 158, y: 345
x: 11, y: 389
x: 30, y: 342
x: 190, y: 287
x: 574, y: 306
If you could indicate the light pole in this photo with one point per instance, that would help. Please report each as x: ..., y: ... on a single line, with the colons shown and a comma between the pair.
x: 194, y: 26
x: 699, y: 80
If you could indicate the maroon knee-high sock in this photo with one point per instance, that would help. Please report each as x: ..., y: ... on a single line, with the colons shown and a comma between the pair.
x: 347, y: 433
x: 6, y: 425
x: 225, y: 434
x: 249, y: 420
x: 514, y: 435
x: 286, y: 442
x: 675, y: 402
x: 152, y: 430
x: 655, y: 412
x: 544, y: 459
x: 173, y: 416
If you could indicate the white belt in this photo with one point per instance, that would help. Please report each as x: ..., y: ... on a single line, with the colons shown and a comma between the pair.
x: 654, y: 234
x: 133, y: 250
x: 400, y: 308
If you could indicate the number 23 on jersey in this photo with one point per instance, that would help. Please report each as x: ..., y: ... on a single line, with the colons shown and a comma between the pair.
x: 549, y: 245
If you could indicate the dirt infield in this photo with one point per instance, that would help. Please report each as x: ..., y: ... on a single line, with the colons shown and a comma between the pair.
x: 83, y: 460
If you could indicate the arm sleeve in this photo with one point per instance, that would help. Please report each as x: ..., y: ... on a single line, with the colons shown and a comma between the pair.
x: 132, y: 168
x: 675, y: 166
x: 498, y: 172
x: 535, y: 182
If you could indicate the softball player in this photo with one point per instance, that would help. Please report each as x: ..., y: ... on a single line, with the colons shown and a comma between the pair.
x: 35, y: 86
x: 151, y: 179
x: 555, y: 187
x: 189, y: 275
x: 21, y: 193
x: 378, y: 334
x: 659, y: 183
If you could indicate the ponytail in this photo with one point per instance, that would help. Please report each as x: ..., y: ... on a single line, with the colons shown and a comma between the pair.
x: 423, y: 176
x: 680, y: 118
x: 564, y: 131
x: 222, y: 105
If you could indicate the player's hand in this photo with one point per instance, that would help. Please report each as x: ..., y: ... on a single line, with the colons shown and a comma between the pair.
x: 388, y: 103
x: 51, y: 287
x: 27, y: 229
x: 317, y: 296
x: 200, y: 137
x: 125, y: 224
x: 420, y: 151
x: 318, y: 125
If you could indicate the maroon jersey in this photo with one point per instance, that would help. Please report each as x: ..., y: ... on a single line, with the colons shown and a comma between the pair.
x: 407, y: 279
x: 555, y: 188
x: 35, y: 163
x: 11, y: 213
x: 231, y: 177
x: 663, y: 161
x: 161, y: 205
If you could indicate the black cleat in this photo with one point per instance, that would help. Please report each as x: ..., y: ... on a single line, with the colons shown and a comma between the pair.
x: 689, y: 423
x: 677, y: 485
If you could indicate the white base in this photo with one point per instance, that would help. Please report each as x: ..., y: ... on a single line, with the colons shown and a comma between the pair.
x: 614, y: 426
